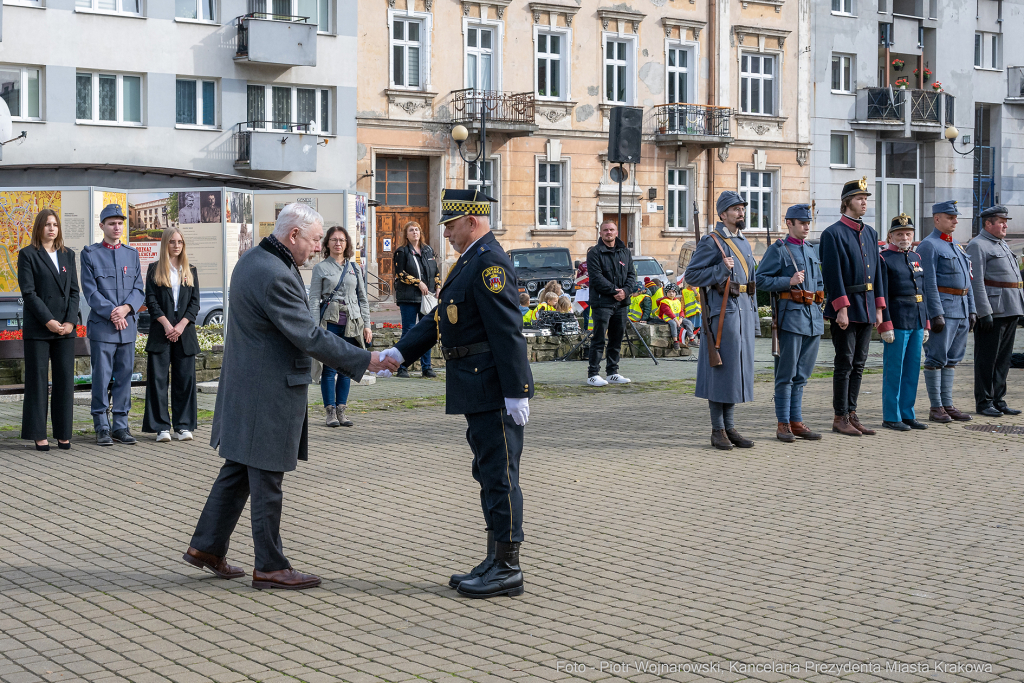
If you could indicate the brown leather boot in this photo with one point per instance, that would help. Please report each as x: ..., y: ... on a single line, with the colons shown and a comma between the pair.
x: 940, y: 415
x: 784, y: 433
x: 720, y: 440
x: 841, y: 424
x: 956, y: 414
x: 858, y: 426
x: 738, y: 439
x: 288, y: 579
x: 217, y: 565
x: 800, y: 429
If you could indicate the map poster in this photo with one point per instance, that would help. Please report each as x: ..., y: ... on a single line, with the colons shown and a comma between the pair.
x: 18, y: 211
x: 101, y: 199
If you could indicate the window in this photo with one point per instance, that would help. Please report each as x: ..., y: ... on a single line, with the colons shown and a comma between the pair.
x: 402, y: 181
x: 839, y: 153
x: 885, y: 34
x: 19, y: 87
x: 196, y: 103
x: 677, y: 206
x: 988, y: 50
x: 314, y: 11
x: 678, y: 75
x: 405, y: 53
x: 488, y: 184
x: 549, y: 194
x: 842, y: 6
x: 108, y: 98
x: 757, y: 84
x: 288, y: 107
x: 978, y: 42
x: 756, y: 188
x: 200, y: 10
x: 479, y: 58
x: 842, y: 73
x: 994, y: 61
x: 119, y: 6
x: 617, y: 86
x: 920, y: 36
x: 551, y: 47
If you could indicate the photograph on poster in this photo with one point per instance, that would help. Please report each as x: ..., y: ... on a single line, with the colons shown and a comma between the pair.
x: 149, y: 214
x: 210, y: 207
x: 186, y: 208
x: 239, y: 208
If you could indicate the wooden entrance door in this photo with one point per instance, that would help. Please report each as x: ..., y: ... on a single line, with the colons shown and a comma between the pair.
x: 401, y: 189
x: 625, y: 234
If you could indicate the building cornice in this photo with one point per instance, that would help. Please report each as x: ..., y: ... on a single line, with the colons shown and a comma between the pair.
x: 498, y: 5
x: 539, y: 8
x: 739, y: 31
x: 671, y: 22
x: 624, y: 15
x: 777, y: 4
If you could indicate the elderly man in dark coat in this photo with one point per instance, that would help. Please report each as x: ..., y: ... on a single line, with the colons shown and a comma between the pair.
x: 723, y: 266
x: 261, y: 419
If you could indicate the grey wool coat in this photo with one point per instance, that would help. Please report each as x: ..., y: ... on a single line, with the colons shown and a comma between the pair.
x: 733, y: 380
x: 992, y: 260
x: 260, y: 418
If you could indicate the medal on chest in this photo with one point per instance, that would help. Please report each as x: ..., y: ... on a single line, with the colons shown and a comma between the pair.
x: 453, y: 313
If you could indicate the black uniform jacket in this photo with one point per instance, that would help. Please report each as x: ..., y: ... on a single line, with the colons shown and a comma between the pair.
x: 849, y: 266
x: 160, y: 302
x: 479, y: 302
x: 49, y: 293
x: 903, y: 278
x: 610, y: 269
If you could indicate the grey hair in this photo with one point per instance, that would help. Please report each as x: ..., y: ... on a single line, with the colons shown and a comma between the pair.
x: 296, y: 215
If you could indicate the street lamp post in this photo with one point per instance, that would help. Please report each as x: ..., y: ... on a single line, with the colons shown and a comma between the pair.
x: 952, y: 134
x: 460, y: 134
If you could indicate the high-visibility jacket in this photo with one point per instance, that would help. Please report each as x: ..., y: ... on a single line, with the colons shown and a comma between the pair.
x: 691, y: 306
x: 674, y: 305
x: 657, y: 294
x: 636, y: 307
x: 532, y: 315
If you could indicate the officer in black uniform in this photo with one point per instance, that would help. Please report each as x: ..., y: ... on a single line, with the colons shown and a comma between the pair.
x: 478, y: 322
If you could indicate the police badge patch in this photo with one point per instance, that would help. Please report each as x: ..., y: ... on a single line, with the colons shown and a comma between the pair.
x: 494, y: 278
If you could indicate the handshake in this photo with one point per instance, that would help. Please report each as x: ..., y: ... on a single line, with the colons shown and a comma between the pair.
x: 385, y: 362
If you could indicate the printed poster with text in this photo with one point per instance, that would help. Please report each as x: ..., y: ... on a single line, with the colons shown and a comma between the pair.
x: 241, y: 235
x: 18, y: 210
x: 197, y: 214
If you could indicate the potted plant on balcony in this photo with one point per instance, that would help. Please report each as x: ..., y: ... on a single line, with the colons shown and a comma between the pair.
x: 927, y: 74
x: 937, y: 86
x: 902, y: 83
x: 898, y: 64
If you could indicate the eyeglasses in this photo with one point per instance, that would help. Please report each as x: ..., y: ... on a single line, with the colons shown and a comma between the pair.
x: 340, y: 240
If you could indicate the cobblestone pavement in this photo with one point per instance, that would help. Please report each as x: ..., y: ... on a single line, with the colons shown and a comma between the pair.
x: 645, y: 549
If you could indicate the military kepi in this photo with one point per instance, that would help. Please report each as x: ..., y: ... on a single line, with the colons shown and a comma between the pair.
x: 799, y: 212
x: 728, y: 199
x: 948, y: 206
x: 111, y: 211
x: 459, y: 203
x: 997, y: 211
x: 901, y: 222
x: 856, y: 187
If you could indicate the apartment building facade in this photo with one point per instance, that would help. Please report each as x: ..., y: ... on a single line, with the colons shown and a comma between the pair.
x: 724, y: 86
x: 891, y: 77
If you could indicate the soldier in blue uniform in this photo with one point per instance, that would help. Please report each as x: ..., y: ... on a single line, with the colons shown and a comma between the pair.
x: 854, y: 301
x: 951, y: 310
x: 488, y: 380
x: 112, y: 284
x: 904, y: 325
x: 790, y: 268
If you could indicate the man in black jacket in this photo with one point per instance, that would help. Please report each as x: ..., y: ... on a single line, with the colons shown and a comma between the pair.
x: 611, y: 280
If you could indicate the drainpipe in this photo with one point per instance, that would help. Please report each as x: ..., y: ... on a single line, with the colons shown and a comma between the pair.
x: 712, y: 100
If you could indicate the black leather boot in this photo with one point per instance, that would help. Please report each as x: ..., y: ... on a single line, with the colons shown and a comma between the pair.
x: 480, y: 568
x: 503, y: 577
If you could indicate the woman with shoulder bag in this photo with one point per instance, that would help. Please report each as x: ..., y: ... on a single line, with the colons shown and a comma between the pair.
x: 417, y: 285
x: 338, y: 303
x: 48, y: 280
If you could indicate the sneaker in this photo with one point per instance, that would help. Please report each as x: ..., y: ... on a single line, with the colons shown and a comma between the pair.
x: 402, y: 372
x: 618, y: 379
x: 183, y: 435
x: 596, y: 381
x: 123, y: 436
x: 427, y: 372
x: 163, y: 436
x: 103, y: 438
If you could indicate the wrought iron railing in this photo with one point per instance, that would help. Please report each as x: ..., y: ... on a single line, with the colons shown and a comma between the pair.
x: 689, y: 119
x: 378, y: 288
x: 503, y: 107
x: 244, y: 130
x: 885, y: 104
x: 924, y: 106
x: 257, y: 9
x: 1015, y: 82
x: 950, y: 102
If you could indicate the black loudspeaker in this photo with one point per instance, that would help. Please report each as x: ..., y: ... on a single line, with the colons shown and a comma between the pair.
x: 624, y: 127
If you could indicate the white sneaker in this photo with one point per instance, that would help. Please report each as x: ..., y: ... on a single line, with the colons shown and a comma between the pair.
x: 163, y: 436
x: 183, y: 435
x: 618, y: 379
x: 596, y: 381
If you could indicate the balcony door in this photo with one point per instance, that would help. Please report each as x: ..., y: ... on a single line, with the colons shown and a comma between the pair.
x: 480, y: 58
x: 897, y: 184
x: 678, y: 75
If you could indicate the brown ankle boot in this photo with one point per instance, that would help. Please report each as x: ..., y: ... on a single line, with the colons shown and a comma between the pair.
x: 858, y: 426
x: 841, y: 424
x: 800, y: 429
x: 784, y: 433
x: 720, y: 440
x: 956, y: 414
x: 940, y: 415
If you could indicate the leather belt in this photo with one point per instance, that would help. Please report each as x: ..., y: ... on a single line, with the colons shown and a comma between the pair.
x: 803, y: 296
x: 911, y: 299
x: 456, y: 352
x: 1004, y: 285
x: 954, y: 292
x: 737, y: 289
x: 858, y: 289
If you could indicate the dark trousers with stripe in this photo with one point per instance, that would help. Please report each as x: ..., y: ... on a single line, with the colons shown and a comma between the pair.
x: 992, y: 351
x: 497, y: 444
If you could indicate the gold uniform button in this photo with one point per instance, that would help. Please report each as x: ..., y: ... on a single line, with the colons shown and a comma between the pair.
x: 451, y: 301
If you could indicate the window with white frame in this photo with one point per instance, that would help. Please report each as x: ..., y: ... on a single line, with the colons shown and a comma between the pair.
x: 280, y: 107
x: 842, y: 6
x: 550, y: 194
x: 988, y: 50
x: 485, y: 179
x: 480, y: 63
x: 756, y: 189
x: 200, y: 10
x: 839, y: 149
x: 315, y: 11
x: 552, y: 64
x: 117, y: 6
x: 676, y: 206
x: 679, y: 60
x: 618, y: 70
x: 24, y: 3
x: 195, y: 102
x: 757, y: 84
x: 842, y: 73
x: 108, y: 98
x: 406, y: 48
x: 19, y: 87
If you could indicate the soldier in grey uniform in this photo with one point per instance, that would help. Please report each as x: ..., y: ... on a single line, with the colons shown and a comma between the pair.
x: 113, y: 285
x: 951, y: 310
x: 999, y: 296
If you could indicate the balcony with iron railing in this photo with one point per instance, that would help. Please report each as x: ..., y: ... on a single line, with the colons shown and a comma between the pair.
x: 509, y: 113
x: 907, y: 111
x: 274, y: 38
x: 686, y: 124
x: 275, y: 146
x: 1015, y: 85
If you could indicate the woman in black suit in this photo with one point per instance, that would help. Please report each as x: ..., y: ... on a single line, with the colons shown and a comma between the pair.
x: 49, y: 285
x: 172, y: 298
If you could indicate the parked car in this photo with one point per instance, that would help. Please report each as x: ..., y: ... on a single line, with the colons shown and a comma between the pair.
x: 211, y: 310
x: 537, y: 267
x: 12, y: 312
x: 648, y: 266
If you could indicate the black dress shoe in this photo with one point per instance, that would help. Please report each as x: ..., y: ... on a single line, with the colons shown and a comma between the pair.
x: 103, y: 438
x: 990, y: 411
x: 64, y: 446
x: 1006, y: 410
x: 402, y: 372
x: 896, y: 426
x: 738, y: 439
x: 504, y: 577
x: 43, y: 447
x: 478, y: 570
x: 427, y: 372
x: 123, y: 436
x: 914, y: 424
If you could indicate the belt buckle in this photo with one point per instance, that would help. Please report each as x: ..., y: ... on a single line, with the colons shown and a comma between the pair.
x: 743, y: 289
x: 919, y: 298
x: 870, y: 287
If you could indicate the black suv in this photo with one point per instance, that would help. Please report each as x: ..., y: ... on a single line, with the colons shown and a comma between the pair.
x: 537, y: 267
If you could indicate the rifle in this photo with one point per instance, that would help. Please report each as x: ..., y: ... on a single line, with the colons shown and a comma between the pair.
x: 772, y: 300
x: 714, y: 358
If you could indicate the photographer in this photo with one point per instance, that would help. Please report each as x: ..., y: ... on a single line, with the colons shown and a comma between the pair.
x: 612, y: 278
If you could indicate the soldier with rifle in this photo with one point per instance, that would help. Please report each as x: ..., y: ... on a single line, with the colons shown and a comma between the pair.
x: 723, y: 267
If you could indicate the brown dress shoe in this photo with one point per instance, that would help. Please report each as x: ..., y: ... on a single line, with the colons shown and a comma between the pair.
x: 940, y: 415
x: 956, y: 414
x: 217, y: 565
x: 801, y: 430
x: 784, y: 433
x: 858, y: 426
x: 738, y: 439
x: 720, y: 440
x: 288, y: 579
x: 841, y: 424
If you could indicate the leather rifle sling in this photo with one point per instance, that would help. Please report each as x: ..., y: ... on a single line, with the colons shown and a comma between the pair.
x: 725, y: 295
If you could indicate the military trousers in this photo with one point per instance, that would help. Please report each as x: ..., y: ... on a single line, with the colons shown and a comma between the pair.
x: 111, y: 360
x: 793, y: 367
x: 901, y: 370
x: 851, y: 347
x: 992, y: 351
x: 497, y: 445
x: 947, y: 348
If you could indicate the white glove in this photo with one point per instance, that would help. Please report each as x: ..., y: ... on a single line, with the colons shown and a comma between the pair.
x: 926, y: 335
x: 519, y: 409
x: 888, y: 336
x: 390, y: 353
